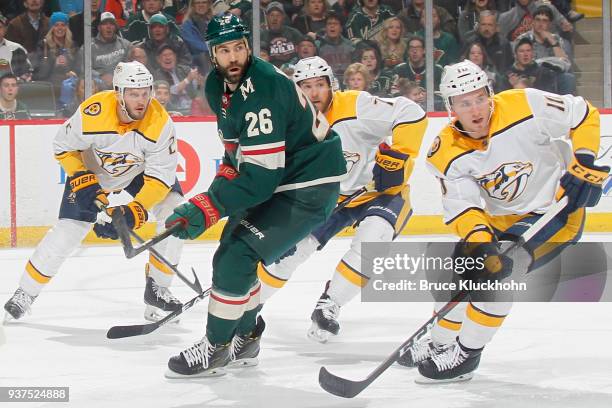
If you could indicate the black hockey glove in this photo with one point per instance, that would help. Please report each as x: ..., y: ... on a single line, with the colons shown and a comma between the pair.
x: 582, y: 183
x: 483, y: 261
x: 135, y: 217
x: 88, y: 192
x: 390, y: 170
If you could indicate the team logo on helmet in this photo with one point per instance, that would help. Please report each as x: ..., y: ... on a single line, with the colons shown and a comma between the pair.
x: 507, y: 182
x: 93, y: 109
x: 117, y: 164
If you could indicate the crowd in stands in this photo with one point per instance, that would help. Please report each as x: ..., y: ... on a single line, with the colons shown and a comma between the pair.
x: 373, y: 45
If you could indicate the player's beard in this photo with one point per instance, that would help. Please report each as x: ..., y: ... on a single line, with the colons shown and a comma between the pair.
x: 233, y: 78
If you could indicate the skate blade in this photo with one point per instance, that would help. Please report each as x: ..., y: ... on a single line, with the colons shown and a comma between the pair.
x: 427, y: 381
x: 318, y: 335
x: 154, y: 314
x: 215, y: 372
x: 243, y: 362
x: 8, y: 318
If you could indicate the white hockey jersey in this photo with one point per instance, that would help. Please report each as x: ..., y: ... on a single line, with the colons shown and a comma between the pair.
x: 94, y: 139
x: 364, y: 122
x: 516, y: 169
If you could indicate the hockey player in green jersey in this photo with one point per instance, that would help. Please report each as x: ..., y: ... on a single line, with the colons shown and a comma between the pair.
x: 278, y: 181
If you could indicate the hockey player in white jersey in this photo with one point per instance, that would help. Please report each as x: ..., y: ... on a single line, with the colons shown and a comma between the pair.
x: 501, y: 163
x: 365, y: 123
x: 121, y: 140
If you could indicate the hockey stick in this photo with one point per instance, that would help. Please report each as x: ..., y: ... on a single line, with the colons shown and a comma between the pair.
x: 118, y: 332
x: 346, y: 388
x: 365, y: 189
x: 124, y: 233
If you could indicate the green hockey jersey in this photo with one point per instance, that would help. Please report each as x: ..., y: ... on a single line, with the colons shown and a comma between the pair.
x: 272, y: 135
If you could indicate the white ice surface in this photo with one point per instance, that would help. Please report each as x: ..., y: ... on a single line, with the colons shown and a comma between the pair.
x: 545, y: 355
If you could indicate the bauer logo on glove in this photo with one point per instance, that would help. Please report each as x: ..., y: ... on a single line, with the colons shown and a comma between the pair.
x: 390, y: 169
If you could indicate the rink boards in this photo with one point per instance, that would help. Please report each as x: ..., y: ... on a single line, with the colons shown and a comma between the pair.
x: 32, y: 181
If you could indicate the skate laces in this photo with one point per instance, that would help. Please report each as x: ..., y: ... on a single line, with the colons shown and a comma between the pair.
x: 450, y: 358
x: 422, y: 349
x: 328, y: 307
x: 163, y: 293
x: 23, y: 300
x: 237, y: 343
x: 199, y: 353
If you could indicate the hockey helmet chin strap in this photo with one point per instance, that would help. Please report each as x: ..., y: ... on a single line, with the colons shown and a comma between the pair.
x: 467, y: 132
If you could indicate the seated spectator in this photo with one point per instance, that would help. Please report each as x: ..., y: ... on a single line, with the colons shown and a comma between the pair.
x: 107, y: 50
x: 311, y: 21
x: 193, y: 31
x: 365, y: 22
x: 411, y: 16
x: 13, y: 55
x: 368, y: 53
x: 29, y: 28
x: 76, y: 23
x: 476, y: 53
x: 137, y: 28
x: 446, y: 47
x: 121, y: 9
x: 526, y: 68
x: 236, y: 7
x: 468, y: 19
x: 334, y: 48
x: 159, y: 34
x: 70, y: 7
x: 137, y: 53
x: 56, y: 53
x: 161, y: 92
x: 519, y: 19
x: 413, y: 91
x: 497, y: 48
x: 247, y: 17
x: 306, y: 48
x: 357, y: 77
x: 10, y: 107
x: 565, y: 8
x: 181, y: 78
x: 393, y: 45
x: 74, y: 94
x: 12, y: 8
x: 415, y: 69
x: 282, y: 39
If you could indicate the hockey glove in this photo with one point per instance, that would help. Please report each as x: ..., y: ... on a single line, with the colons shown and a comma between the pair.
x: 390, y: 169
x: 197, y: 216
x: 486, y: 262
x: 135, y: 217
x: 88, y: 192
x: 582, y: 183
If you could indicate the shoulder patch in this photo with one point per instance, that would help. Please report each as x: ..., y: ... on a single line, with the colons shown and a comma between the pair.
x: 435, y: 146
x: 93, y: 109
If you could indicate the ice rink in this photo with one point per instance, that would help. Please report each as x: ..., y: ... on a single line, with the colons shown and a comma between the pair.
x: 545, y: 355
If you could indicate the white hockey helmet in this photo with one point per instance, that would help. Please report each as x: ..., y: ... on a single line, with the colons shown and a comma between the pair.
x: 461, y: 78
x: 131, y: 75
x: 314, y: 67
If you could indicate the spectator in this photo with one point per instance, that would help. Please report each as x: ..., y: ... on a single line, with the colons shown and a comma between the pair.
x: 411, y: 16
x: 264, y: 52
x: 193, y: 31
x: 413, y: 91
x: 414, y: 69
x: 311, y: 21
x: 29, y: 28
x: 263, y: 7
x: 77, y: 23
x: 357, y: 77
x: 12, y: 8
x: 393, y: 45
x: 161, y: 92
x: 526, y: 68
x: 564, y: 7
x: 550, y: 49
x: 107, y: 50
x: 137, y: 53
x: 519, y: 19
x: 159, y: 34
x: 306, y: 48
x: 181, y: 78
x: 137, y: 28
x: 56, y: 53
x: 368, y: 53
x: 468, y: 19
x: 477, y: 53
x: 446, y: 47
x: 365, y: 22
x: 236, y: 7
x: 282, y: 39
x: 121, y: 9
x: 334, y: 48
x: 10, y: 107
x: 71, y: 7
x: 13, y: 55
x: 78, y: 96
x: 497, y: 48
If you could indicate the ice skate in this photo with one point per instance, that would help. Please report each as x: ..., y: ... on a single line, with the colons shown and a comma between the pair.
x: 203, y: 359
x: 245, y: 349
x: 159, y: 302
x: 18, y: 305
x: 455, y: 363
x: 324, y: 319
x: 419, y: 351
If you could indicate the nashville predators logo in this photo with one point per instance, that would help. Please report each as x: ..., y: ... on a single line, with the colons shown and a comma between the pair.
x: 507, y: 182
x: 117, y: 164
x: 351, y: 160
x: 93, y: 109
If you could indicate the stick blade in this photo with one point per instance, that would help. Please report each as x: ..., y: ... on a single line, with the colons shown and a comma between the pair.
x: 119, y: 332
x: 338, y: 386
